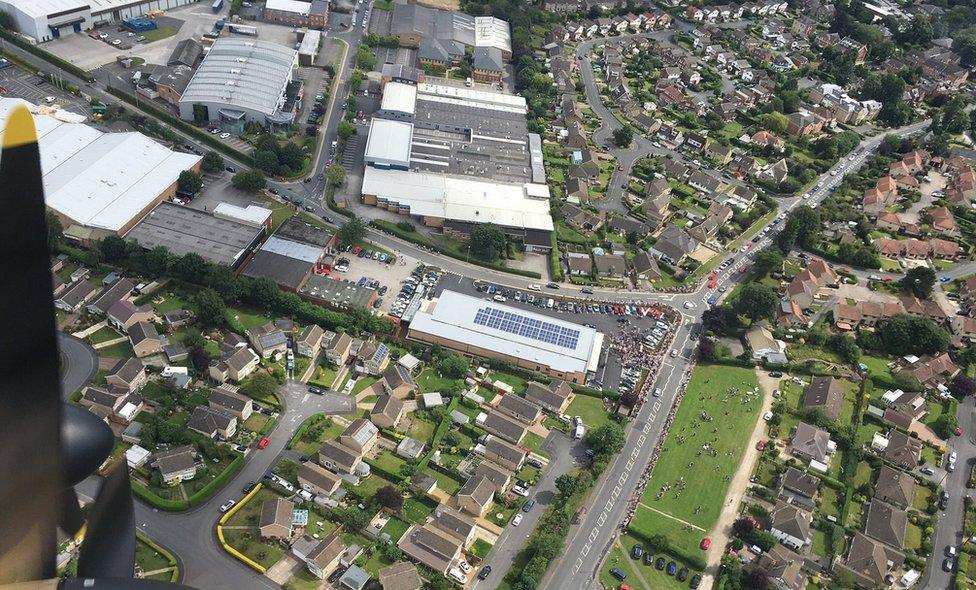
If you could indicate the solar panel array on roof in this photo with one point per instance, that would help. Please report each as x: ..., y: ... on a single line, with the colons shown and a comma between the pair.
x: 514, y: 323
x: 380, y: 353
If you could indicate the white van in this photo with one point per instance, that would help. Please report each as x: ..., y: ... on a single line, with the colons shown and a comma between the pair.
x: 550, y: 303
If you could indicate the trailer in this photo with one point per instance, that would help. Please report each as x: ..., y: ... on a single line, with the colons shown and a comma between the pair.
x: 243, y: 29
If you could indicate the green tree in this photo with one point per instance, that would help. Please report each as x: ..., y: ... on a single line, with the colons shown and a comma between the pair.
x: 767, y: 260
x: 756, y: 301
x: 189, y: 267
x: 365, y: 60
x: 352, y: 231
x: 607, y: 439
x: 905, y: 334
x: 623, y: 136
x: 189, y: 181
x: 389, y: 497
x: 156, y: 262
x: 114, y: 249
x: 210, y: 308
x: 774, y: 122
x: 346, y: 129
x: 266, y: 161
x: 918, y: 281
x: 55, y: 231
x: 261, y: 386
x: 845, y: 346
x: 355, y: 81
x: 212, y: 162
x: 249, y: 180
x: 336, y: 175
x: 487, y: 241
x: 452, y: 366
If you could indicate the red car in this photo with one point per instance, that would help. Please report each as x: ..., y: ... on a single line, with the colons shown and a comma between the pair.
x: 356, y: 249
x: 264, y: 442
x: 761, y: 445
x: 959, y: 431
x: 743, y: 269
x: 705, y: 544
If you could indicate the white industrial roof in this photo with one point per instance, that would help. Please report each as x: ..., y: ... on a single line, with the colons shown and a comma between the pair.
x: 389, y: 140
x: 100, y: 180
x: 243, y: 73
x: 288, y: 6
x: 398, y: 96
x: 252, y: 214
x: 463, y: 95
x: 462, y: 198
x: 452, y: 316
x: 296, y: 250
x: 492, y: 32
x: 42, y: 8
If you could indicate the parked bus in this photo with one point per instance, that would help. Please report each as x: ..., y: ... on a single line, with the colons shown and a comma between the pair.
x: 217, y: 5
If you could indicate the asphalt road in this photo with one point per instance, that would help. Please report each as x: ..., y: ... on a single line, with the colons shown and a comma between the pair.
x: 80, y: 362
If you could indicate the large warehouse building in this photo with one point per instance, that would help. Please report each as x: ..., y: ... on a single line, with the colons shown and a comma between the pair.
x: 430, y: 28
x: 44, y: 20
x: 101, y: 182
x: 455, y: 157
x: 241, y: 81
x: 534, y: 341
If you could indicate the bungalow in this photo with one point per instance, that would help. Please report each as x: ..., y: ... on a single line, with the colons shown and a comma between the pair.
x: 610, y: 265
x: 578, y: 263
x: 500, y: 424
x: 895, y: 487
x: 76, y: 296
x: 476, y: 496
x: 212, y: 422
x: 454, y: 523
x: 321, y: 557
x: 227, y: 399
x: 886, y: 524
x: 519, y: 408
x: 903, y: 450
x: 124, y: 314
x: 403, y: 575
x: 810, y: 443
x: 870, y: 563
x: 794, y: 482
x: 276, y: 519
x: 645, y: 267
x: 144, y: 339
x: 431, y: 546
x: 931, y: 371
x: 317, y: 480
x: 824, y: 394
x: 387, y: 412
x: 109, y: 296
x: 553, y: 397
x: 112, y: 404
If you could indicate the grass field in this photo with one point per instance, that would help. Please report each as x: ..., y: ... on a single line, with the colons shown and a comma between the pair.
x: 590, y: 409
x: 703, y: 448
x: 429, y: 381
x: 103, y: 334
x: 638, y: 574
x: 395, y: 528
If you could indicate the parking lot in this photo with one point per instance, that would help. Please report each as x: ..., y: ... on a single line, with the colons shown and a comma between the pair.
x: 17, y: 83
x: 631, y: 338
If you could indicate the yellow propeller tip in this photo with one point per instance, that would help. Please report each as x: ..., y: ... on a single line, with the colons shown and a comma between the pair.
x: 19, y: 128
x: 80, y: 535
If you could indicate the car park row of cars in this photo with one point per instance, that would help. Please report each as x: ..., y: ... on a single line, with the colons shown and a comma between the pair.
x: 420, y: 283
x: 503, y: 294
x: 661, y: 564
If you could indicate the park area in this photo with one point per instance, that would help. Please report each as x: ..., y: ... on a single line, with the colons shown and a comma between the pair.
x: 702, y: 452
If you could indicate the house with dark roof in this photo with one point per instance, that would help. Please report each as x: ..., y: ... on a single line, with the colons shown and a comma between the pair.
x: 321, y: 557
x: 310, y: 341
x: 519, y: 408
x: 505, y: 454
x: 455, y: 523
x: 144, y: 339
x: 212, y: 422
x: 432, y: 547
x: 795, y: 483
x: 869, y: 562
x: 476, y: 495
x: 488, y: 65
x: 338, y: 458
x: 318, y: 480
x: 387, y: 412
x: 502, y: 425
x: 895, y: 487
x: 402, y: 575
x: 76, y: 296
x: 886, y: 523
x: 235, y: 365
x: 810, y: 443
x: 783, y: 568
x: 230, y: 401
x: 903, y: 450
x: 790, y: 525
x: 175, y: 465
x: 360, y: 436
x: 823, y: 394
x: 129, y: 374
x: 267, y: 340
x: 645, y: 267
x: 109, y: 296
x: 673, y: 245
x: 276, y: 519
x: 499, y: 476
x: 397, y: 382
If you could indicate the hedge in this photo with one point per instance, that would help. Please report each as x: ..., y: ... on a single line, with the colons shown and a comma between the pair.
x: 46, y: 56
x: 590, y: 392
x: 144, y: 494
x: 304, y: 426
x: 170, y: 559
x: 206, y: 491
x: 183, y: 126
x: 411, y: 237
x: 385, y: 473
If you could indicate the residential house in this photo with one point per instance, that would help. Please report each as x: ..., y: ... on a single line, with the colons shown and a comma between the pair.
x: 505, y: 454
x: 212, y: 422
x: 109, y: 296
x: 112, y: 404
x: 795, y: 483
x: 339, y: 458
x: 309, y: 343
x: 267, y: 340
x: 129, y: 375
x: 903, y: 450
x: 337, y: 348
x: 360, y: 436
x: 431, y: 546
x: 943, y: 221
x: 75, y: 296
x: 496, y: 474
x: 610, y: 265
x: 674, y: 245
x: 895, y: 487
x: 321, y: 557
x: 824, y: 394
x: 886, y: 523
x: 783, y: 568
x: 778, y: 171
x: 175, y: 465
x: 500, y: 424
x: 177, y: 318
x: 387, y: 412
x: 579, y: 263
x: 519, y: 408
x: 235, y: 365
x: 931, y: 371
x: 554, y: 397
x: 276, y: 519
x: 372, y: 358
x: 476, y: 495
x: 645, y: 267
x: 227, y: 399
x: 790, y: 525
x: 870, y: 563
x: 403, y: 575
x: 396, y: 381
x: 803, y: 123
x: 454, y: 523
x: 318, y: 480
x: 810, y: 443
x: 657, y: 197
x: 580, y: 219
x: 144, y: 339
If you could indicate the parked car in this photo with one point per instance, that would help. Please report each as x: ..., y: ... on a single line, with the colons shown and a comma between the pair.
x: 227, y: 505
x: 618, y: 573
x: 485, y: 572
x: 637, y: 551
x: 264, y: 442
x: 517, y: 520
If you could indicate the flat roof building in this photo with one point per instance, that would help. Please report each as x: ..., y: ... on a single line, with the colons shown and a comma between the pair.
x: 530, y: 340
x: 103, y: 181
x: 183, y: 230
x: 241, y: 80
x: 44, y: 20
x: 290, y: 254
x: 412, y: 24
x: 337, y: 294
